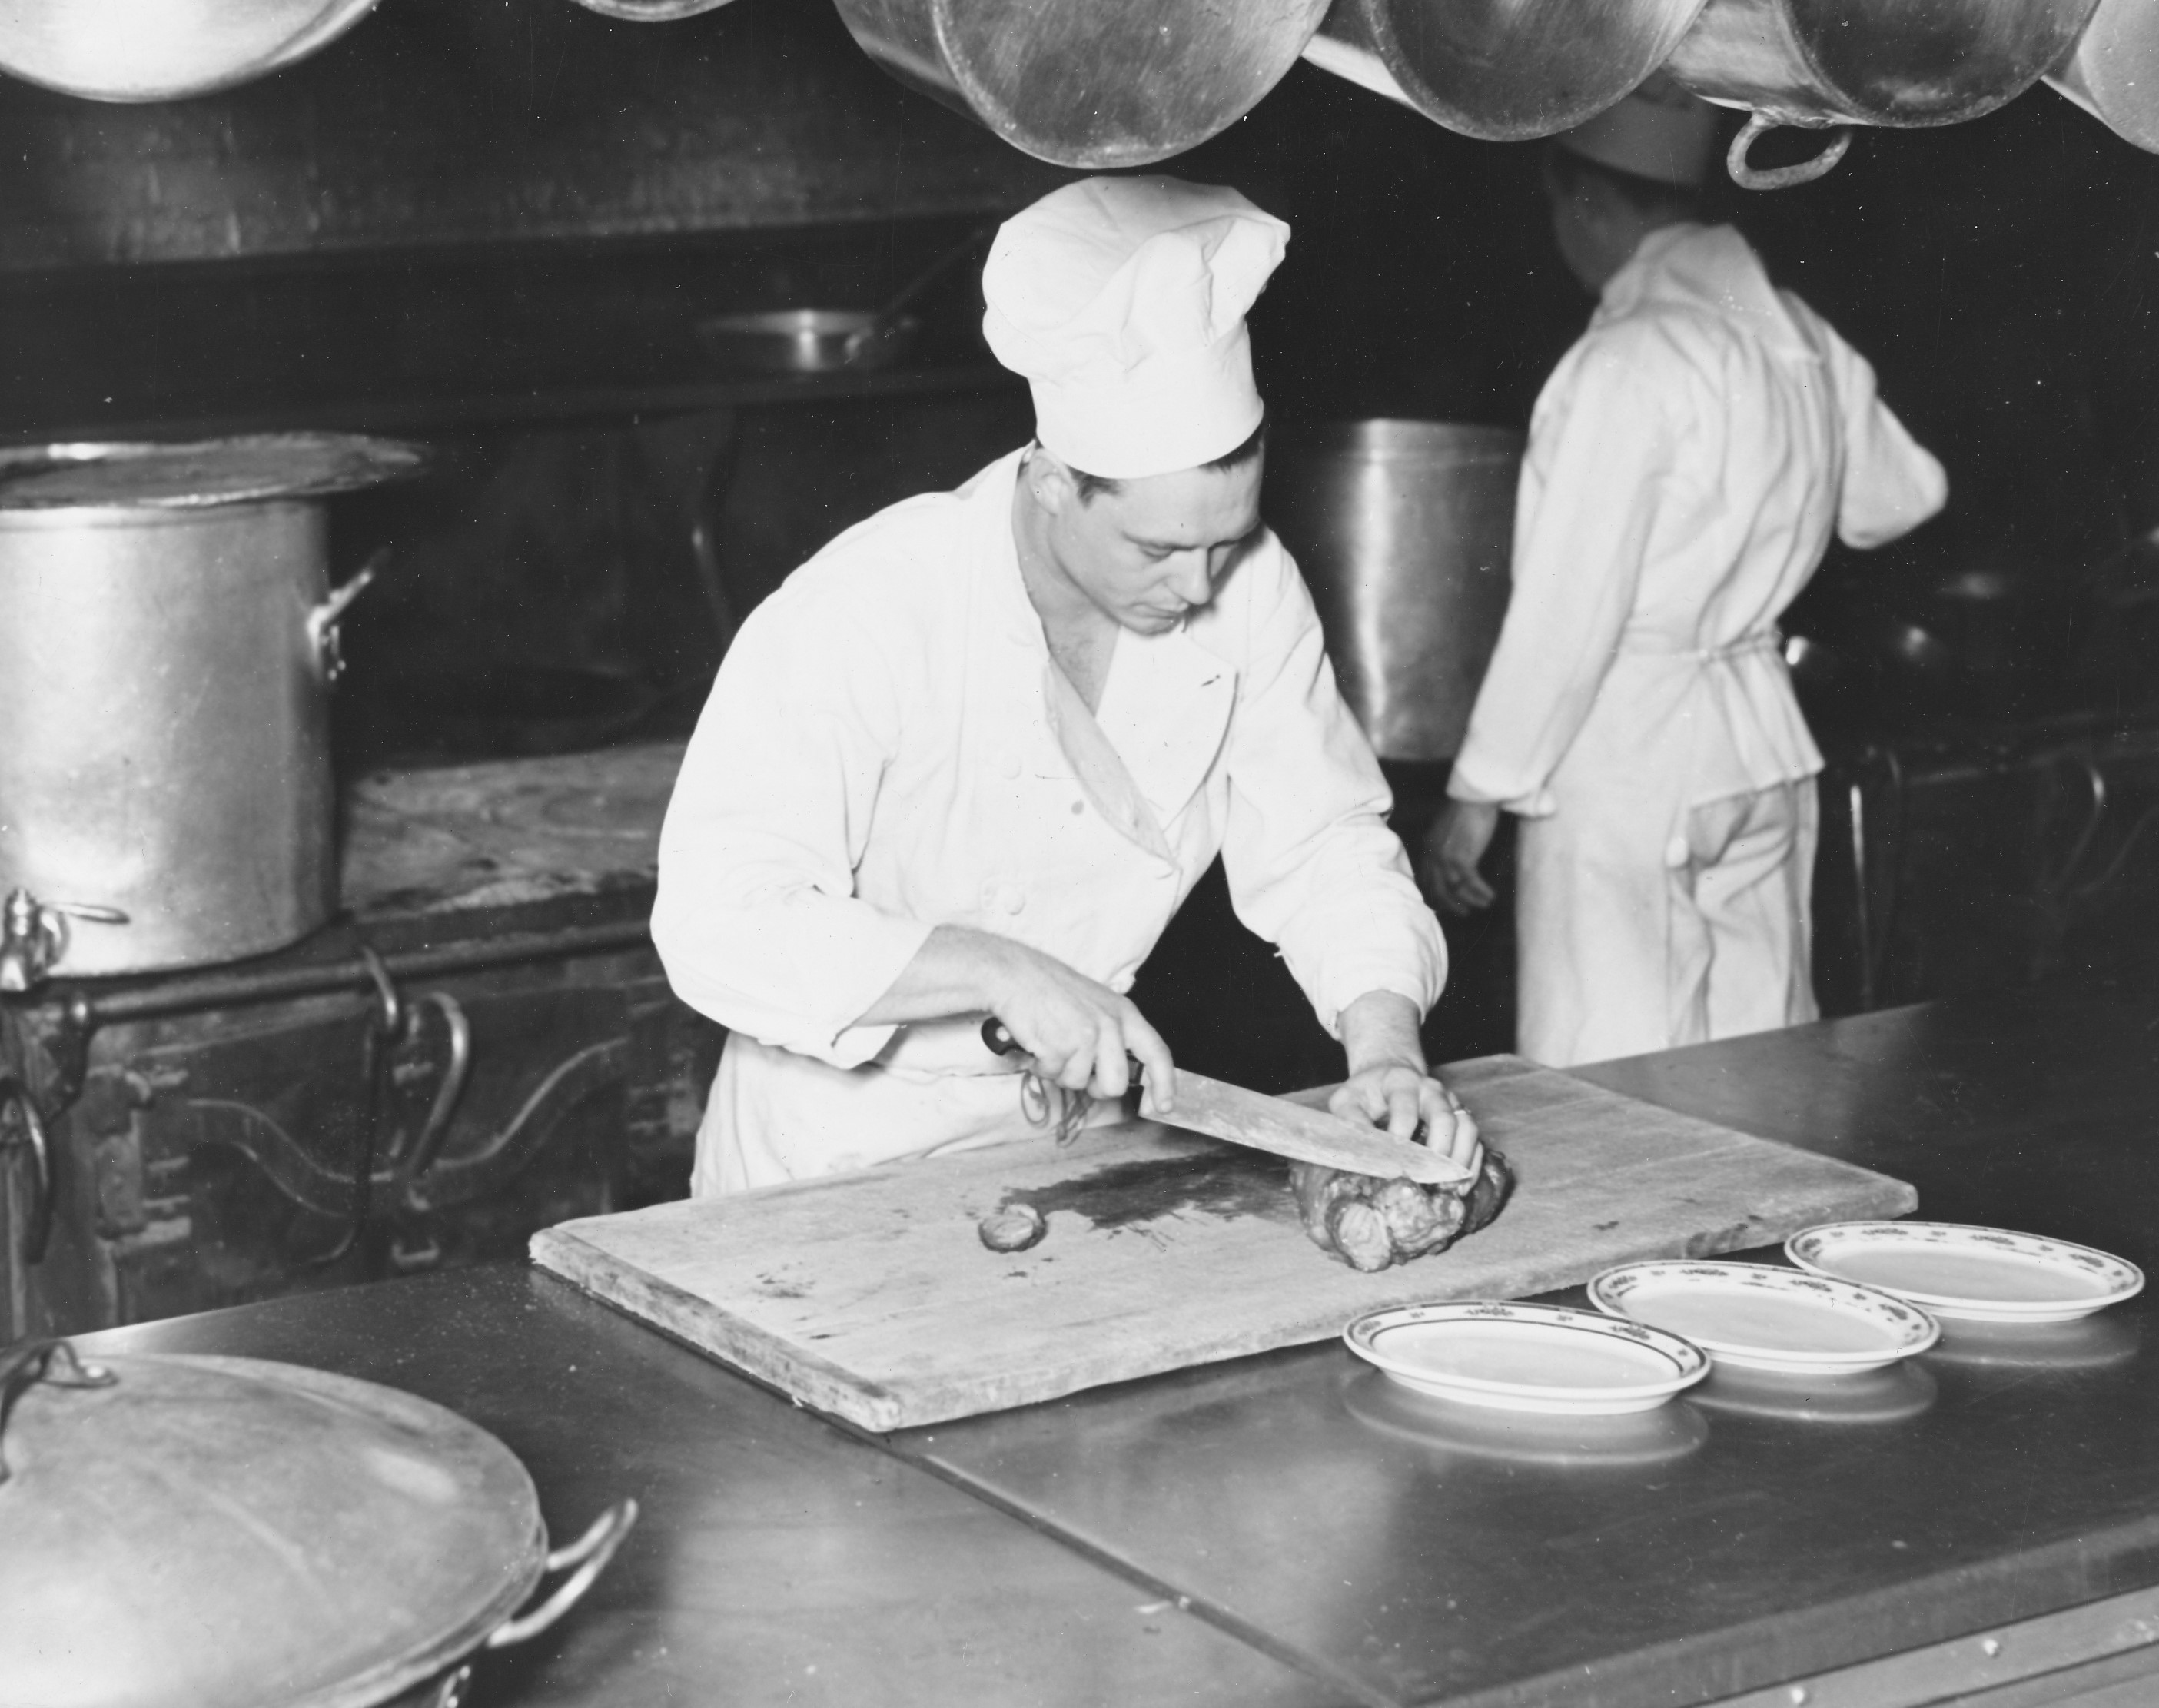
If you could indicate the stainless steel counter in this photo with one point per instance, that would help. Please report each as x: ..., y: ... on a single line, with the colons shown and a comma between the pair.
x: 1287, y: 1529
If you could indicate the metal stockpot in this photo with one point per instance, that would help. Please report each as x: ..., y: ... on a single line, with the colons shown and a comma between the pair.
x: 167, y: 641
x: 1506, y: 70
x: 1404, y: 531
x: 1905, y: 62
x: 1105, y: 83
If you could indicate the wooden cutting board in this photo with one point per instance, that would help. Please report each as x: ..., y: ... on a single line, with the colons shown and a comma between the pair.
x: 869, y: 1295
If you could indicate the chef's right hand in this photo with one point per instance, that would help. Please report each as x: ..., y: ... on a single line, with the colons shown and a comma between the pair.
x: 1453, y: 849
x: 1079, y: 1032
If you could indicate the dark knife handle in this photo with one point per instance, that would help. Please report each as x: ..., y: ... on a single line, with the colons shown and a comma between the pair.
x: 1000, y: 1042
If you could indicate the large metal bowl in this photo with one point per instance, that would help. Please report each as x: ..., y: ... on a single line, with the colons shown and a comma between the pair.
x: 189, y: 1532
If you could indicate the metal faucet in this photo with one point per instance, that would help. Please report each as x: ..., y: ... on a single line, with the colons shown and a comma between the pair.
x: 33, y: 935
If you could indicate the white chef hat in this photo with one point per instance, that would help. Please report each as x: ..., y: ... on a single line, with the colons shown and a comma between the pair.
x: 1122, y: 301
x: 1659, y: 132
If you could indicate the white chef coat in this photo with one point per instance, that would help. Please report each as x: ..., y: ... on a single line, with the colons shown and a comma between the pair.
x: 881, y: 754
x: 1687, y: 462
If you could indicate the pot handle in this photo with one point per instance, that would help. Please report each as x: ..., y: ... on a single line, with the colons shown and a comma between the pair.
x: 1749, y: 176
x: 323, y: 620
x: 455, y: 1071
x: 590, y: 1554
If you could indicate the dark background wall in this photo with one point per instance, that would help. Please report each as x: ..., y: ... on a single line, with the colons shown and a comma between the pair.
x: 494, y: 226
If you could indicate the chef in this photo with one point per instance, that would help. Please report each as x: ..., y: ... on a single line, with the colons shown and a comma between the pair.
x: 969, y: 758
x: 1687, y: 463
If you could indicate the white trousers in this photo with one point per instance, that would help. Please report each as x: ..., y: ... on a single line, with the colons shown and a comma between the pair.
x: 1636, y: 934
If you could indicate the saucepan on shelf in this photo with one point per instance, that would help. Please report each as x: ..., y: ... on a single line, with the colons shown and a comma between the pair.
x: 830, y: 340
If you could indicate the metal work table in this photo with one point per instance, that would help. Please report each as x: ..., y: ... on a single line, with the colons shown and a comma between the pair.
x: 1981, y: 1526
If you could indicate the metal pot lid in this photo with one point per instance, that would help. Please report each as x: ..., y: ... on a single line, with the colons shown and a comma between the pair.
x: 241, y: 470
x: 228, y: 1533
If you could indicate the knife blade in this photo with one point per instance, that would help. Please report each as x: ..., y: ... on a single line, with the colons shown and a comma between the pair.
x: 1222, y: 1111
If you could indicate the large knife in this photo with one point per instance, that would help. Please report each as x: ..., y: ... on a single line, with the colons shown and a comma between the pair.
x: 1282, y: 1128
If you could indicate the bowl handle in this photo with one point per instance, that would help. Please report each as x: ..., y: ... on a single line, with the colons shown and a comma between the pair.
x: 590, y: 1554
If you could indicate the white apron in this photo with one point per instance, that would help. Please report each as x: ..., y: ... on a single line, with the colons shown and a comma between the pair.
x: 1689, y: 462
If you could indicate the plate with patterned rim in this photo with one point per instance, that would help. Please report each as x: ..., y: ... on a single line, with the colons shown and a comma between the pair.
x: 1527, y: 1358
x: 1983, y: 1275
x: 1758, y: 1317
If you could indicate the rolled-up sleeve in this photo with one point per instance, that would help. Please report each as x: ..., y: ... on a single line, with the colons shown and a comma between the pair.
x: 1312, y: 867
x: 757, y: 921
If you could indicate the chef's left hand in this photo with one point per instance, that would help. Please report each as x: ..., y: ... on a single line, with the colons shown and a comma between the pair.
x: 1401, y: 1099
x: 1388, y: 1084
x: 1454, y: 850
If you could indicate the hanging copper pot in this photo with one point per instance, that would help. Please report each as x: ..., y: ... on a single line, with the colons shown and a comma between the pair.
x: 1817, y: 63
x: 1505, y: 70
x: 129, y: 51
x: 1106, y: 83
x: 2113, y: 71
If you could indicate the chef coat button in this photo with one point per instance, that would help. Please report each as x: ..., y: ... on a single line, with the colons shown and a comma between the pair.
x: 1677, y: 852
x: 1012, y: 898
x: 1009, y: 765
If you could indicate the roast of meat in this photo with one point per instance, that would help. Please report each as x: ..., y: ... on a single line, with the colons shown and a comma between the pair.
x: 1369, y: 1223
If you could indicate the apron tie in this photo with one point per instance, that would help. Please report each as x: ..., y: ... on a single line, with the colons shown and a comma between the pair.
x: 1770, y: 639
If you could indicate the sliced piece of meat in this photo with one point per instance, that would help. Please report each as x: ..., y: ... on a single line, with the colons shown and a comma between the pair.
x: 1012, y: 1229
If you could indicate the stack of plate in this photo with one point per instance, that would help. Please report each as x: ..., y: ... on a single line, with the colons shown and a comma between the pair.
x: 1865, y: 1296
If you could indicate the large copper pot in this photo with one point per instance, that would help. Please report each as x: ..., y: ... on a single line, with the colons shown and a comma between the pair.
x: 1506, y: 70
x: 1403, y: 530
x: 1907, y: 62
x: 1105, y: 83
x: 127, y: 50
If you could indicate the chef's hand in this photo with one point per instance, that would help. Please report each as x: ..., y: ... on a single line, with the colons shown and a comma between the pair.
x: 1453, y: 849
x: 1079, y: 1032
x: 1388, y: 1084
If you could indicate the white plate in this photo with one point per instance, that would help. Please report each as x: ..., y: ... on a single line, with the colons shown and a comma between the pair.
x: 1892, y: 1395
x: 1527, y: 1358
x: 1762, y: 1318
x: 1987, y: 1274
x: 1553, y: 1440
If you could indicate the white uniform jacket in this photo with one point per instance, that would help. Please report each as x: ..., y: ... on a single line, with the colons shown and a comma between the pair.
x: 882, y: 753
x: 1687, y: 462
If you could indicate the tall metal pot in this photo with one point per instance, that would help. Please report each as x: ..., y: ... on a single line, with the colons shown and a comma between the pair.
x: 167, y: 641
x: 1404, y: 531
